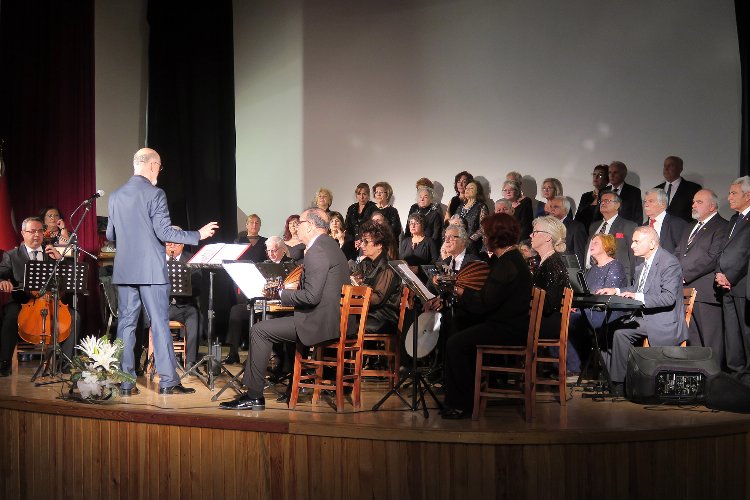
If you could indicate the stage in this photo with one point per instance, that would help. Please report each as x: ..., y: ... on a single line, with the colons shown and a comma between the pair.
x: 153, y: 446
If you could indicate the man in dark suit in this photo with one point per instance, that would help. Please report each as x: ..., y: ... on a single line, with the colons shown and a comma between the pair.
x: 631, y: 208
x: 316, y: 307
x: 658, y: 285
x: 140, y: 225
x: 679, y: 191
x: 257, y: 250
x: 588, y: 207
x: 618, y: 227
x: 576, y: 237
x: 12, y: 270
x: 668, y: 227
x: 698, y: 251
x: 731, y: 278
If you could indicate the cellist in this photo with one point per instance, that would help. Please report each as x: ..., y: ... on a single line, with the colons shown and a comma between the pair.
x: 11, y: 276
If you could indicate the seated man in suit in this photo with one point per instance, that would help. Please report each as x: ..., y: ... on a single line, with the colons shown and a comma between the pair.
x: 588, y: 207
x: 317, y: 312
x: 257, y: 250
x: 668, y: 227
x: 238, y: 315
x: 731, y: 280
x: 618, y: 227
x: 679, y: 191
x: 12, y: 270
x: 181, y: 308
x: 631, y: 208
x: 698, y: 252
x: 659, y: 287
x: 575, y: 234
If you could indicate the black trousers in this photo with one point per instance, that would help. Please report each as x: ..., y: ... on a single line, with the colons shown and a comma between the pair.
x: 736, y: 335
x: 262, y: 337
x: 707, y: 329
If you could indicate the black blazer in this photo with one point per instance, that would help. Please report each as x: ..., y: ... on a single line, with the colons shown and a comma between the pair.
x: 682, y: 199
x: 622, y: 230
x: 698, y: 260
x: 575, y: 239
x: 632, y: 203
x: 586, y: 212
x: 672, y: 228
x: 257, y: 252
x: 735, y: 255
x: 12, y: 267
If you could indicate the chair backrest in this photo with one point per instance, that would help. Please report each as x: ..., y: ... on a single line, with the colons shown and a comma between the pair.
x: 567, y: 304
x: 535, y: 316
x: 355, y: 300
x: 402, y: 309
x: 688, y: 297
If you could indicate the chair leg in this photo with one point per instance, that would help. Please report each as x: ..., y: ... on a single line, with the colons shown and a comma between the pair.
x: 477, y: 410
x: 295, y: 378
x: 318, y: 375
x: 340, y: 382
x: 356, y: 391
x: 562, y: 374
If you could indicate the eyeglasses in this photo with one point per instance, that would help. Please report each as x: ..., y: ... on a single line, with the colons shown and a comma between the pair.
x: 366, y: 242
x: 537, y: 232
x: 607, y: 201
x: 450, y: 237
x: 302, y: 221
x: 34, y: 231
x: 52, y: 216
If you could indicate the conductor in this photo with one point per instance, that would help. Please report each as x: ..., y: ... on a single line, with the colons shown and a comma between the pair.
x: 139, y: 222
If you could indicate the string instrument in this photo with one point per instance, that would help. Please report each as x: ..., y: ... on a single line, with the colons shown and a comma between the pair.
x: 291, y: 282
x: 274, y: 285
x: 36, y: 318
x: 473, y: 275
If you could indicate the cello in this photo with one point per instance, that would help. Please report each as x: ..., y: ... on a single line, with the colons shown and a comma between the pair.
x: 37, y: 316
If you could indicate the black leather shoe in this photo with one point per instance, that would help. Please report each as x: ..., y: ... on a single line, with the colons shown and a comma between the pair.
x: 244, y: 402
x: 4, y: 368
x: 129, y: 392
x: 231, y: 359
x: 176, y: 389
x: 454, y: 414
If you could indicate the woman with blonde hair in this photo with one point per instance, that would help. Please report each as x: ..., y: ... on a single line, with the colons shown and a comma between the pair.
x: 551, y: 187
x: 548, y: 240
x: 382, y: 193
x: 323, y: 199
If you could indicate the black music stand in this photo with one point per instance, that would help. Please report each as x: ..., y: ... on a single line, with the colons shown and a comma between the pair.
x: 419, y: 384
x: 52, y: 277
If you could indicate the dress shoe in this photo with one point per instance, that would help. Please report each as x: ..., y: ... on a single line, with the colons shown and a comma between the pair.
x: 618, y: 389
x: 284, y: 398
x: 176, y: 389
x: 244, y: 402
x: 4, y: 368
x: 231, y: 359
x: 131, y: 391
x: 454, y: 413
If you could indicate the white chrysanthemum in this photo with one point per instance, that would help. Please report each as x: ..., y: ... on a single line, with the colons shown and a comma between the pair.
x: 89, y: 385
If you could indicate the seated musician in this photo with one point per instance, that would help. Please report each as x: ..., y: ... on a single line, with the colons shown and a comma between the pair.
x: 548, y: 240
x: 503, y: 306
x: 317, y: 310
x: 658, y: 284
x: 605, y: 272
x: 181, y: 308
x: 238, y: 315
x: 12, y: 280
x: 257, y: 250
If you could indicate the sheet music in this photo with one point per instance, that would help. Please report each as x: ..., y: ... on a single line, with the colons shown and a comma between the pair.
x: 247, y: 277
x: 216, y: 253
x: 404, y: 268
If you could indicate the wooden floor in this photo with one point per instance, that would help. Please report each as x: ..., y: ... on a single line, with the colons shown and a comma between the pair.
x: 154, y: 446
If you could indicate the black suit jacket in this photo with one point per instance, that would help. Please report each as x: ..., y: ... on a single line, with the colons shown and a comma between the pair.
x: 735, y: 255
x: 586, y: 212
x: 682, y: 200
x: 698, y: 260
x: 632, y: 203
x: 622, y: 230
x: 12, y: 267
x: 257, y: 252
x: 576, y: 239
x: 672, y: 228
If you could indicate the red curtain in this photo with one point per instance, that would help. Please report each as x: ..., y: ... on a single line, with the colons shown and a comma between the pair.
x: 47, y: 113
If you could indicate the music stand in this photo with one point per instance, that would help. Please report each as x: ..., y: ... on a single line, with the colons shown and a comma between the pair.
x: 419, y: 384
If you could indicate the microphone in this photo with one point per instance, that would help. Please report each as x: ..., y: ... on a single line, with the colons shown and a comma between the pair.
x: 99, y: 193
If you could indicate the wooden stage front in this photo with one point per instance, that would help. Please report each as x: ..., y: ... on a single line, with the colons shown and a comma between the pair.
x: 152, y: 446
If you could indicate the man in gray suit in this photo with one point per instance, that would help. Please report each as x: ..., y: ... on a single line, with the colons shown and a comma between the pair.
x: 698, y: 252
x: 622, y: 229
x: 140, y: 225
x: 658, y: 285
x: 317, y: 310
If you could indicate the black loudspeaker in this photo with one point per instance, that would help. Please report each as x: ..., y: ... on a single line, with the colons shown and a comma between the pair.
x: 669, y: 374
x: 726, y: 393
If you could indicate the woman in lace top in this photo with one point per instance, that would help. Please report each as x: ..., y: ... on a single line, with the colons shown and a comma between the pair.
x: 548, y: 240
x: 472, y: 211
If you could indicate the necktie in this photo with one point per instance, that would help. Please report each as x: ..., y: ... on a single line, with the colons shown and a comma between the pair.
x: 603, y: 229
x: 642, y: 280
x: 35, y: 254
x: 669, y: 193
x: 651, y: 222
x: 735, y: 224
x: 695, y: 232
x: 453, y: 264
x: 616, y: 190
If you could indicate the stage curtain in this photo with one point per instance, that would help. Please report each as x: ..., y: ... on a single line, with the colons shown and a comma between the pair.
x: 47, y: 113
x: 191, y: 118
x: 742, y: 11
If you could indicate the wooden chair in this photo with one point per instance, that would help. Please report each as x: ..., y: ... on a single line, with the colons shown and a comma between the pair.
x: 23, y: 347
x: 391, y: 345
x: 179, y: 341
x: 526, y: 353
x: 562, y: 345
x: 347, y: 354
x: 688, y: 298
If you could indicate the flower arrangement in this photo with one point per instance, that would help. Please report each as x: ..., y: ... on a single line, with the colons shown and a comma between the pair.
x: 97, y: 370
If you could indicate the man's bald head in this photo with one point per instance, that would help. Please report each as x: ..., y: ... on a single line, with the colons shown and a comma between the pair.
x: 147, y: 162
